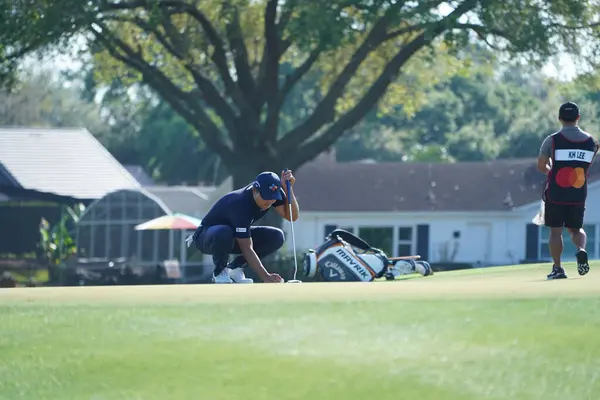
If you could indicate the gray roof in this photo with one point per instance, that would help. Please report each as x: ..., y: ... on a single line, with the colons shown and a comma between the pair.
x: 189, y: 200
x: 498, y: 185
x: 64, y: 161
x: 139, y: 174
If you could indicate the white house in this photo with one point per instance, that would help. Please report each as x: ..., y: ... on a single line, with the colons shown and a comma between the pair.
x: 475, y: 212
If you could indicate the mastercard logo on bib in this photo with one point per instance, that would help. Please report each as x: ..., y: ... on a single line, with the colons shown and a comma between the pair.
x: 570, y: 177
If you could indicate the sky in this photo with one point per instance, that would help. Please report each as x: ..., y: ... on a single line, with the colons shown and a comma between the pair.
x: 562, y: 69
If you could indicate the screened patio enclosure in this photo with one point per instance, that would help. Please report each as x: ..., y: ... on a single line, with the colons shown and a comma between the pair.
x: 106, y: 230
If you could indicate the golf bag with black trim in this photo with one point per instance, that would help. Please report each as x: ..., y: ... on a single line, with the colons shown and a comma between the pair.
x: 345, y: 257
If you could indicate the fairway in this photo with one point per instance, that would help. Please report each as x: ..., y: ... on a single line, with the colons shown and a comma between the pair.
x: 495, y: 333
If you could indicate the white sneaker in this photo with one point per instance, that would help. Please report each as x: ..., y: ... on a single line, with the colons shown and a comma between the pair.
x: 237, y: 276
x: 223, y: 277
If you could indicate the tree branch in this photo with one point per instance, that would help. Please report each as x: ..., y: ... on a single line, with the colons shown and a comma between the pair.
x: 270, y: 79
x: 179, y: 41
x: 268, y: 75
x: 235, y: 37
x: 210, y: 93
x: 576, y: 27
x: 483, y: 30
x: 286, y: 15
x: 324, y: 111
x: 219, y: 56
x: 298, y: 73
x: 272, y: 122
x: 178, y: 99
x: 403, y: 31
x: 378, y: 88
x: 362, y: 108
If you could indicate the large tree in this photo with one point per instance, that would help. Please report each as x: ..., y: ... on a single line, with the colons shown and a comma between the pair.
x: 40, y: 100
x: 220, y: 63
x: 145, y: 130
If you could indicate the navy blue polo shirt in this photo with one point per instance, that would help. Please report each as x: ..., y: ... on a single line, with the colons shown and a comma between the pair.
x: 239, y: 211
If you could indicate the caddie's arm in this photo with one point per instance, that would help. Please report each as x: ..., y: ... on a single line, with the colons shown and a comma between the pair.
x: 543, y: 163
x: 254, y: 262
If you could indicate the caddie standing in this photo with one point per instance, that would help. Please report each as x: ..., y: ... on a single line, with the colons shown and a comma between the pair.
x: 565, y: 158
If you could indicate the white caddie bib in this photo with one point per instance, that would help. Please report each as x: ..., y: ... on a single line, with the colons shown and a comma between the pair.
x: 574, y: 155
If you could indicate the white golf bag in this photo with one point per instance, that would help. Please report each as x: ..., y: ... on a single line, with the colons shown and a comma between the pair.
x: 345, y: 257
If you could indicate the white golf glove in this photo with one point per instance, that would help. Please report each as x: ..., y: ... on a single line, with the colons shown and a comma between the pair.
x: 189, y: 239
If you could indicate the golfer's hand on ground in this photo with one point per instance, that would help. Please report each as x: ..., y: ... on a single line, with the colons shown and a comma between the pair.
x: 273, y: 278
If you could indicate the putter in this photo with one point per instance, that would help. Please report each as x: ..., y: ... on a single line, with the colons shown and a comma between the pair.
x: 287, y: 183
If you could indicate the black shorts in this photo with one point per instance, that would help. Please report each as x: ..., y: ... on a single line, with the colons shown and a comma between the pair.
x: 563, y: 215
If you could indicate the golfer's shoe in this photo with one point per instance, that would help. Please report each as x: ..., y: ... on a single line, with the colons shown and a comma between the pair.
x: 583, y: 267
x: 237, y: 275
x: 557, y: 273
x: 223, y: 277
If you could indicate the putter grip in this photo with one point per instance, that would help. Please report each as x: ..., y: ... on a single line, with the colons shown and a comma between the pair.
x: 287, y: 183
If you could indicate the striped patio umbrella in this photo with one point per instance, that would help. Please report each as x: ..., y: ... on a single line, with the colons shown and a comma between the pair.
x: 175, y: 221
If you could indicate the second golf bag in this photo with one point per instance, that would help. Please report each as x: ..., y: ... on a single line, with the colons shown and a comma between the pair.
x: 345, y: 257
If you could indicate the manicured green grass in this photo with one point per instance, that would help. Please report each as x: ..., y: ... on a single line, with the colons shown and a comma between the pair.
x: 243, y: 342
x: 40, y: 276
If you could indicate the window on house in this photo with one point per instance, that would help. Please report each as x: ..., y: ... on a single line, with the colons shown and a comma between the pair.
x: 84, y: 241
x: 134, y: 243
x: 115, y: 241
x: 405, y: 241
x: 163, y: 245
x: 133, y: 209
x: 115, y: 210
x: 99, y: 247
x: 99, y: 211
x: 148, y: 247
x: 330, y: 228
x: 569, y: 248
x: 378, y: 237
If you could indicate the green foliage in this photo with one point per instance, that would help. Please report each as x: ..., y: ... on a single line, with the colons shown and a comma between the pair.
x: 494, y: 112
x: 39, y: 99
x: 145, y: 130
x: 56, y: 242
x: 22, y: 256
x: 36, y: 27
x: 229, y: 68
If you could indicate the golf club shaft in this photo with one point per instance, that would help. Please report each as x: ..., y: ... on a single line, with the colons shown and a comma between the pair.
x: 404, y: 258
x: 294, y: 245
x: 289, y: 191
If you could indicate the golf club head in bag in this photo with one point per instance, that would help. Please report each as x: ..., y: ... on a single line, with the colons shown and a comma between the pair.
x: 407, y: 267
x: 336, y: 260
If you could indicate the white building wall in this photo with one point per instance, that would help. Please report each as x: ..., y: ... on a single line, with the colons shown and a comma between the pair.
x: 490, y: 239
x: 494, y: 238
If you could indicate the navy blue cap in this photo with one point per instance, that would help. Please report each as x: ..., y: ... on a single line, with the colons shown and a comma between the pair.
x: 568, y: 111
x: 268, y: 185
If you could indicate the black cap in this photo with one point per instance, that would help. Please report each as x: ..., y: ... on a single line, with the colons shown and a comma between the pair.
x: 568, y: 111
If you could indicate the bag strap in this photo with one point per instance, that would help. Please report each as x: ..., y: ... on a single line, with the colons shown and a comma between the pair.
x: 351, y: 239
